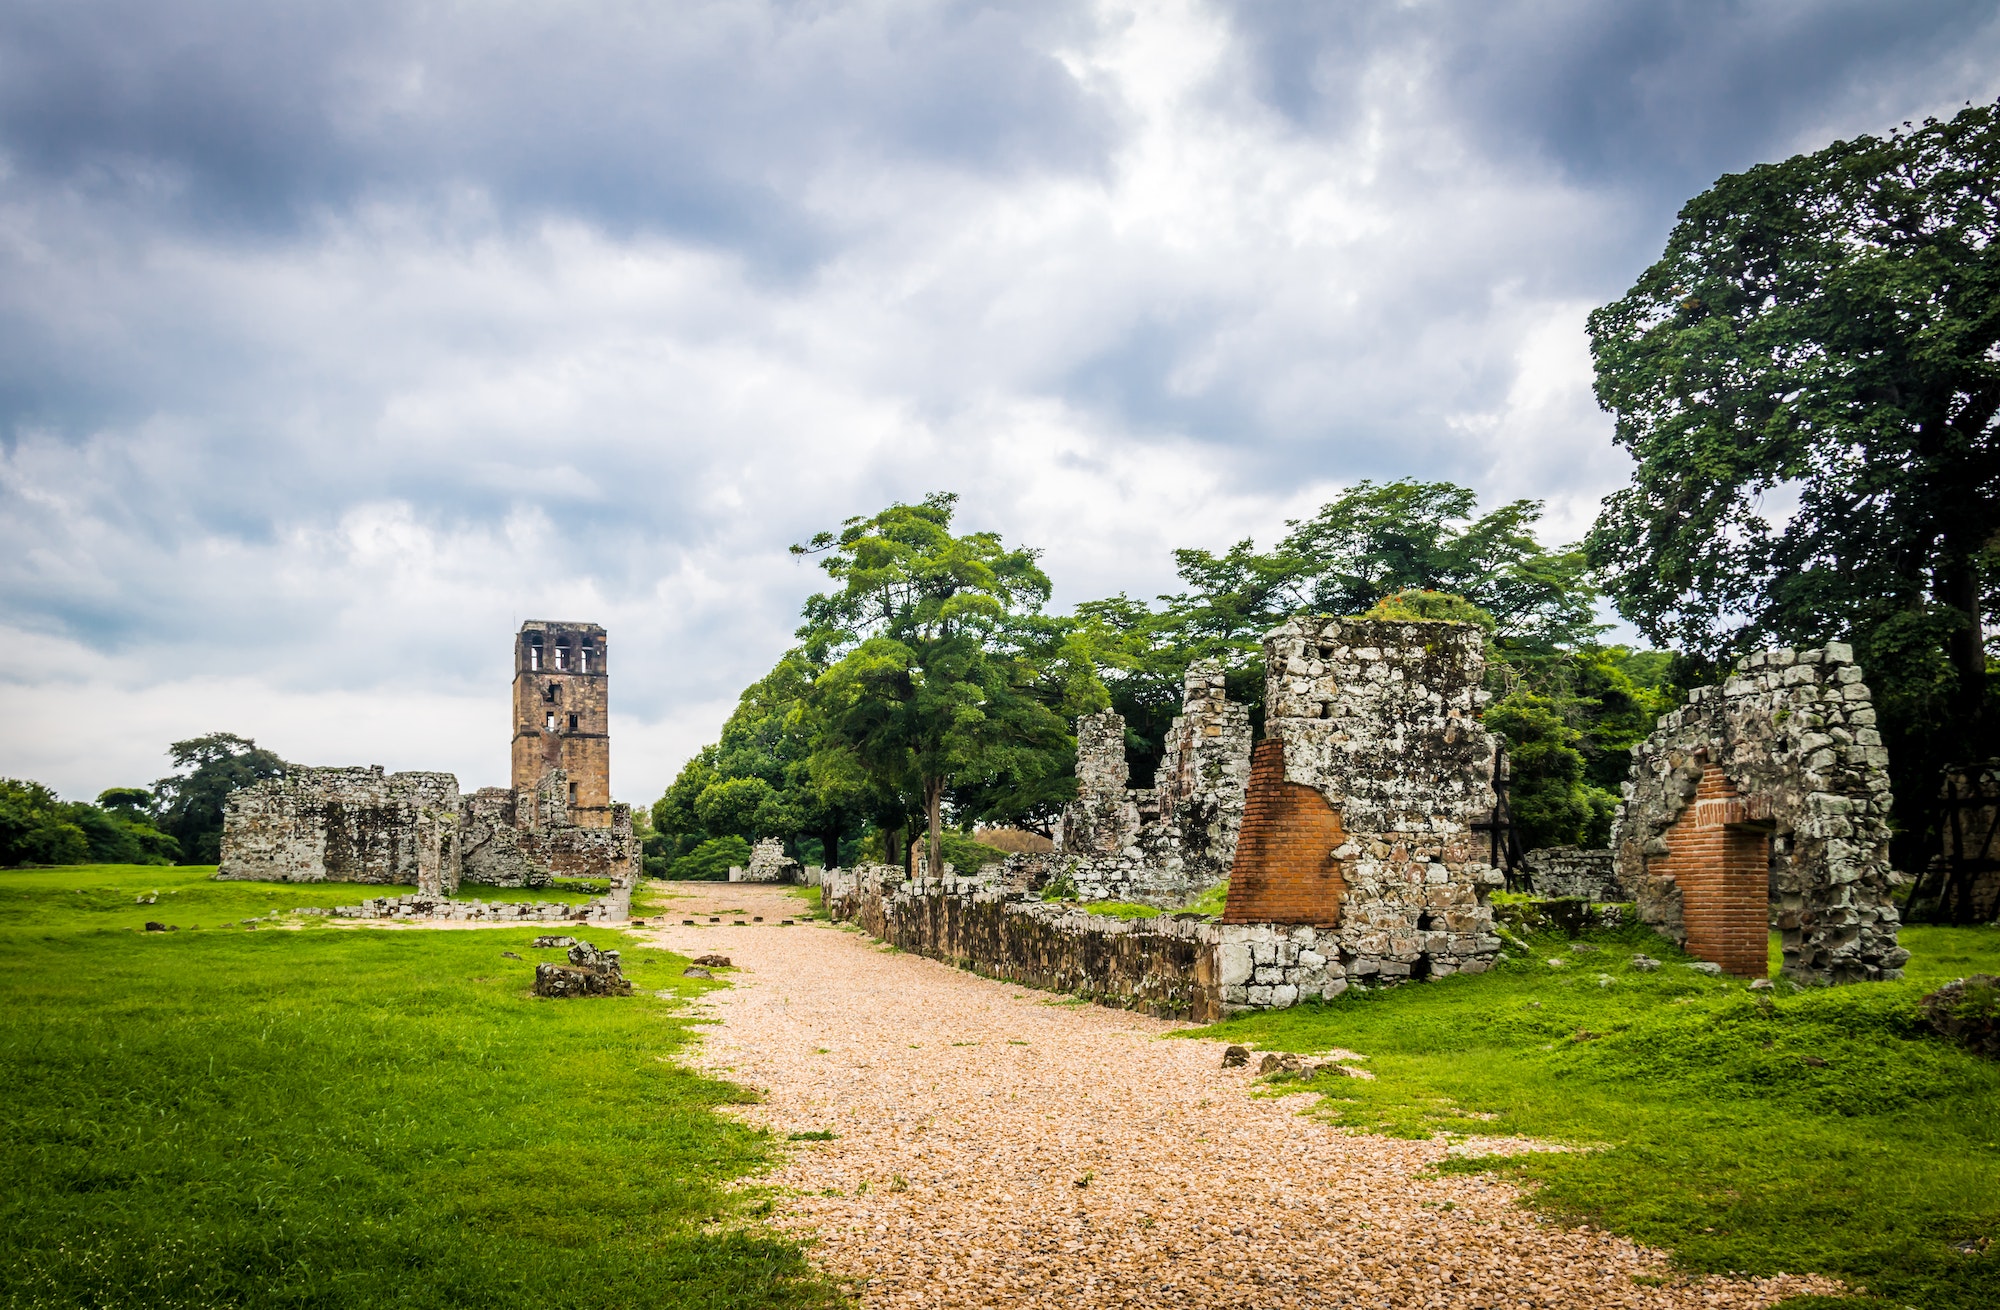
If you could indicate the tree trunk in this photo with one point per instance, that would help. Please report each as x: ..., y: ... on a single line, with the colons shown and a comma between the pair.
x: 829, y: 845
x: 889, y: 851
x: 1958, y: 587
x: 933, y: 804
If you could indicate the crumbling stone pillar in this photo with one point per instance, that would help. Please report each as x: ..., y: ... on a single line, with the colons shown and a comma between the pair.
x: 1204, y: 776
x: 1379, y: 718
x: 1103, y: 820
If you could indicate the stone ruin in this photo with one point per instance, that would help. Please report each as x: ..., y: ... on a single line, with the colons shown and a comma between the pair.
x: 362, y: 825
x: 1573, y: 873
x: 1349, y: 839
x: 1365, y: 795
x: 1163, y: 844
x: 1765, y: 803
x: 768, y: 863
x: 590, y: 972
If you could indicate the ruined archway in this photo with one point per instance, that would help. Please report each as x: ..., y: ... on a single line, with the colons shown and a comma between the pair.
x: 1764, y: 803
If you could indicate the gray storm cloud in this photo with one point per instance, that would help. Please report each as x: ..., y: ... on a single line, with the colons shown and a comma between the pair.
x: 338, y: 339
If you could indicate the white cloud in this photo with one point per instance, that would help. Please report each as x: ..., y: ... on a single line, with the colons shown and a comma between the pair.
x: 301, y: 479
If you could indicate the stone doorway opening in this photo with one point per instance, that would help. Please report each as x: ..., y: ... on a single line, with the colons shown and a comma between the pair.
x: 1764, y: 803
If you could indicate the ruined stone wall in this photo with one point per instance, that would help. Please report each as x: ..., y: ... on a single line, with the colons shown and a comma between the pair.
x: 561, y: 712
x: 1799, y: 764
x: 1159, y: 845
x: 342, y: 825
x: 1204, y: 777
x: 1380, y: 718
x: 1103, y: 821
x: 768, y: 863
x: 1573, y: 872
x: 358, y: 825
x: 1172, y: 966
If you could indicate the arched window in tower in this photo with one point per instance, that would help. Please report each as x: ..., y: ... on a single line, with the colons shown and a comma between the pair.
x: 550, y: 694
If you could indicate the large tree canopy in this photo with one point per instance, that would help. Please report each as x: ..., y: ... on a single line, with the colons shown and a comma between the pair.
x: 1826, y: 329
x: 189, y: 803
x: 1372, y: 541
x: 941, y: 679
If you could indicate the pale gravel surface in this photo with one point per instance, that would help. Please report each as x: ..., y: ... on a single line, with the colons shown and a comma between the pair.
x: 970, y: 1111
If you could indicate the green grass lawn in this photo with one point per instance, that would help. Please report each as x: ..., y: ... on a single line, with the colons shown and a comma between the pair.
x: 1816, y: 1130
x: 350, y: 1116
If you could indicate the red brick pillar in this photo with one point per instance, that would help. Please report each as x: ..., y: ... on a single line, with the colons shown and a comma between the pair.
x: 1284, y: 871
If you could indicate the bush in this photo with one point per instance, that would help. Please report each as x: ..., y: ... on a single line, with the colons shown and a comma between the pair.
x: 710, y: 861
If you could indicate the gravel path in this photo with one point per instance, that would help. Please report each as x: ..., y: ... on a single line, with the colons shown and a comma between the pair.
x: 997, y: 1146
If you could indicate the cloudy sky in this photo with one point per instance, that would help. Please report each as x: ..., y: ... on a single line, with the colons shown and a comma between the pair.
x: 336, y: 339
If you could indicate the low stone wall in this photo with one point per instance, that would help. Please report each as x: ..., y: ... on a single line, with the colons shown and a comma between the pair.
x: 1171, y: 966
x: 614, y: 908
x: 1580, y: 872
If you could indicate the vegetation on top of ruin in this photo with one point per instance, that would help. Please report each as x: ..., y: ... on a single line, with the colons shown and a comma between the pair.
x: 352, y: 1118
x: 1819, y: 1130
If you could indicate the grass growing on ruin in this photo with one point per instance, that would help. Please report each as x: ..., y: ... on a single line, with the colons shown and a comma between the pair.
x: 350, y: 1117
x: 1126, y: 910
x: 1817, y: 1130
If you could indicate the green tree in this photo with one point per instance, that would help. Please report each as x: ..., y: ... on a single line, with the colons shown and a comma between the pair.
x: 1551, y: 799
x: 190, y: 802
x: 1373, y: 541
x: 928, y: 683
x: 1825, y: 328
x: 36, y: 828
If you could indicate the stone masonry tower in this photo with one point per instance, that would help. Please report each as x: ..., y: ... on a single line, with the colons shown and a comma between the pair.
x: 561, y: 715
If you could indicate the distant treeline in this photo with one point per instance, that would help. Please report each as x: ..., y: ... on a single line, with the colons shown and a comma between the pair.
x: 178, y: 820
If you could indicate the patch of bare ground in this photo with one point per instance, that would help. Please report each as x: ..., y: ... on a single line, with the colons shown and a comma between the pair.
x: 997, y: 1146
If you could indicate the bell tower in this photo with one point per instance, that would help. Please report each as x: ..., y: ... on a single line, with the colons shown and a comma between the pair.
x: 562, y: 714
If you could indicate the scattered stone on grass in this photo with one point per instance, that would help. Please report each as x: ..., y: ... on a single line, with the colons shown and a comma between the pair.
x: 1236, y: 1057
x: 509, y: 955
x: 696, y: 971
x: 154, y: 926
x: 1708, y: 967
x: 590, y: 972
x: 1645, y: 964
x: 551, y: 942
x: 712, y: 961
